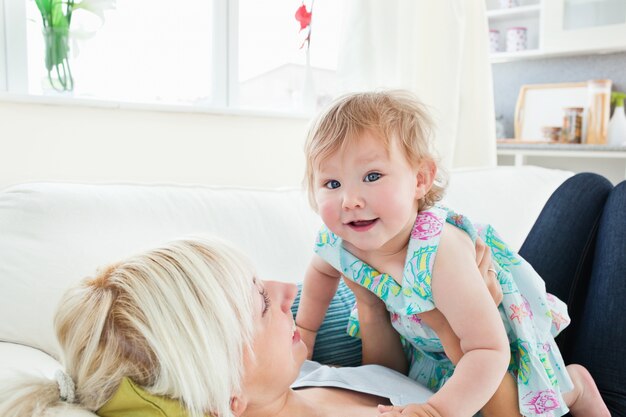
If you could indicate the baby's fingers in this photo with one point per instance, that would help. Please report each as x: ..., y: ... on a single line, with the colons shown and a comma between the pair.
x: 411, y: 410
x: 389, y: 410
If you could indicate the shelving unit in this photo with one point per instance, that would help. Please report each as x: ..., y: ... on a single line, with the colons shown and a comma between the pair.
x: 512, y: 56
x: 560, y: 27
x: 609, y: 161
x: 520, y: 12
x: 527, y: 15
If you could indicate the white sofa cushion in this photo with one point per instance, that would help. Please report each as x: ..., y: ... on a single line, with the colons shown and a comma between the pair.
x: 509, y: 198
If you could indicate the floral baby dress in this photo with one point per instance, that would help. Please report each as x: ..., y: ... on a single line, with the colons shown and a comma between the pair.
x: 532, y: 317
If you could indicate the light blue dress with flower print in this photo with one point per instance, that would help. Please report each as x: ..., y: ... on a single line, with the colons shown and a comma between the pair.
x: 532, y: 317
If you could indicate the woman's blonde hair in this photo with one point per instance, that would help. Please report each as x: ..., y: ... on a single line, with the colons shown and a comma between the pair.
x: 175, y: 320
x: 391, y: 115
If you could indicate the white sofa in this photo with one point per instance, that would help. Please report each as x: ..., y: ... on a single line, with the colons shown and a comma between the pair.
x: 53, y: 234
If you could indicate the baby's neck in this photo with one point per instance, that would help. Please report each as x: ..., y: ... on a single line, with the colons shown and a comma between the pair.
x: 383, y: 254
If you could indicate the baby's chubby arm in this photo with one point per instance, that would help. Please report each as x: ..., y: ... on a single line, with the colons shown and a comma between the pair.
x: 380, y: 341
x: 319, y: 287
x: 436, y: 321
x: 461, y: 296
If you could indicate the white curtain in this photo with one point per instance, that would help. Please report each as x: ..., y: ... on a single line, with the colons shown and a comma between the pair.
x: 437, y: 49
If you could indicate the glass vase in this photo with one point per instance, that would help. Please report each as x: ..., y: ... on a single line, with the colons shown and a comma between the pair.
x: 57, y: 47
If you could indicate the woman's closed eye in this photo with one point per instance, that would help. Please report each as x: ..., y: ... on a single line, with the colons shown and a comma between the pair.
x: 266, y: 301
x: 332, y: 184
x: 372, y: 176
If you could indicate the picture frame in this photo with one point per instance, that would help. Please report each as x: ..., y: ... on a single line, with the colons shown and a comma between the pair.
x: 540, y: 105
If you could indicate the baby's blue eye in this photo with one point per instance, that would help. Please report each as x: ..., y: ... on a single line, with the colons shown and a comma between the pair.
x: 372, y: 176
x: 332, y: 184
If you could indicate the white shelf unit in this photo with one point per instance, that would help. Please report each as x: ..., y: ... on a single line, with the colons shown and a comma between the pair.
x: 603, y: 159
x: 530, y: 10
x: 584, y: 25
x: 528, y: 15
x: 513, y: 56
x: 560, y: 27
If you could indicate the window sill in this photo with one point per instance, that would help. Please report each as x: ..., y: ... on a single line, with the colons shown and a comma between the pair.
x: 170, y: 108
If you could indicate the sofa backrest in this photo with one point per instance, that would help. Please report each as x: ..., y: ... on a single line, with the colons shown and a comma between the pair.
x: 54, y: 234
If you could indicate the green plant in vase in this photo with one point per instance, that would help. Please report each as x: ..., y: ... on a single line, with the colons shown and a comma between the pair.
x: 57, y: 17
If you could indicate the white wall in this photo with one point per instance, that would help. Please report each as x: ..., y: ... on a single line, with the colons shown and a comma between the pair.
x: 62, y: 142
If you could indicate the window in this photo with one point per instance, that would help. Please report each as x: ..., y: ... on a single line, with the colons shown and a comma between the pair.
x: 145, y: 51
x: 272, y: 64
x: 227, y: 53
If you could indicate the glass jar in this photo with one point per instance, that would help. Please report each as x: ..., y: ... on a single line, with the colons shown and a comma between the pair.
x: 551, y: 133
x: 572, y: 125
x: 500, y: 129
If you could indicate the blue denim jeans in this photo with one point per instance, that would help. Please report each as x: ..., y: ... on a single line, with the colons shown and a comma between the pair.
x: 578, y: 246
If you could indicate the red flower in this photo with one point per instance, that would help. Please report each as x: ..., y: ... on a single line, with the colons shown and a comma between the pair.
x: 303, y: 16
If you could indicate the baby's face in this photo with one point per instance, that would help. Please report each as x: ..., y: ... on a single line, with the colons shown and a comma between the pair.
x: 368, y: 194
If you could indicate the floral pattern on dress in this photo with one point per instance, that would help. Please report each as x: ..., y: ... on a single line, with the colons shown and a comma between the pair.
x: 326, y: 237
x: 417, y: 266
x: 541, y: 402
x: 426, y: 226
x: 504, y: 256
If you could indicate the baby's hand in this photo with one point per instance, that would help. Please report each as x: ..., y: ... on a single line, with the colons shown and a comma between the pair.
x: 363, y: 296
x: 380, y: 342
x: 485, y: 266
x: 411, y: 410
x: 308, y: 337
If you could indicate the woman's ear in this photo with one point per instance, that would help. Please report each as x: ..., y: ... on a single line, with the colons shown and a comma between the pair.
x: 238, y: 405
x: 426, y: 174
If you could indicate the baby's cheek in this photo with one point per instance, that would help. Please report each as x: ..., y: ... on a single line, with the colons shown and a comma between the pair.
x: 328, y: 213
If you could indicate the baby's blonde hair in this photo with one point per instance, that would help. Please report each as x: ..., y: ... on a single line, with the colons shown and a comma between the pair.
x: 175, y: 320
x: 391, y: 115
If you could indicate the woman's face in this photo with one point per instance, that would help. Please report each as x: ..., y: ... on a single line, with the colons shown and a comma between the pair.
x: 278, y: 350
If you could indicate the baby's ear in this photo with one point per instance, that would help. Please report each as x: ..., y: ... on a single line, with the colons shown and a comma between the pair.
x: 426, y: 174
x: 238, y: 405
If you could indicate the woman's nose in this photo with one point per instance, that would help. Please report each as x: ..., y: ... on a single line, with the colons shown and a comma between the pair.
x: 290, y: 294
x: 285, y: 293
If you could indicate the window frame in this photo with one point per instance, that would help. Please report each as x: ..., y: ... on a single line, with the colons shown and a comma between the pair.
x: 225, y: 26
x: 3, y: 63
x: 224, y: 81
x: 14, y: 52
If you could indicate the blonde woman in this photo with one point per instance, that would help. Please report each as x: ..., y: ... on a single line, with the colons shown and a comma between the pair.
x: 188, y: 330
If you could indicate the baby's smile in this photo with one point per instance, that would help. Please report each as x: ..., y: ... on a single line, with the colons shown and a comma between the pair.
x: 362, y: 225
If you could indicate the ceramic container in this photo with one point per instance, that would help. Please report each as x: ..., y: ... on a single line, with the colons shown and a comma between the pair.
x: 506, y: 4
x: 494, y: 40
x: 516, y: 39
